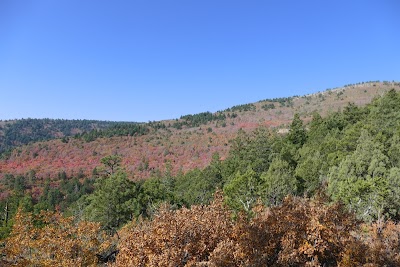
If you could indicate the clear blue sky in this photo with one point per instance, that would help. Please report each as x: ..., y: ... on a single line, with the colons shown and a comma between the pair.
x: 141, y: 60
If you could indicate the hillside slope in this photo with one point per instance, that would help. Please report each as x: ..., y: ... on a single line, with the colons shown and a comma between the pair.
x: 14, y: 133
x: 185, y: 143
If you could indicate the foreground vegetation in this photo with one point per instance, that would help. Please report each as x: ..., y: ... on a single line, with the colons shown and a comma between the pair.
x: 299, y: 232
x: 279, y: 204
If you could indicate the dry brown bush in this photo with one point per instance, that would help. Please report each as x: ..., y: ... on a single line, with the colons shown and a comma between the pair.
x: 48, y: 239
x: 176, y: 238
x: 300, y: 232
x: 373, y: 245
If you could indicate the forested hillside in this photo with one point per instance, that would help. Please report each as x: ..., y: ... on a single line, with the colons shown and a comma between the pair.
x: 180, y: 144
x: 15, y: 133
x: 326, y: 193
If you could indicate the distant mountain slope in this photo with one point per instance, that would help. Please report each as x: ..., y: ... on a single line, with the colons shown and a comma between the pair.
x: 15, y: 133
x: 180, y: 144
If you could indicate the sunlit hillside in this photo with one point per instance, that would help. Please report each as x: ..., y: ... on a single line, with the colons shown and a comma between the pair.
x: 185, y: 143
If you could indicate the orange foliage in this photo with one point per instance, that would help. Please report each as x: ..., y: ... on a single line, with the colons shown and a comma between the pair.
x: 48, y: 239
x: 301, y: 232
x: 176, y: 238
x: 374, y: 246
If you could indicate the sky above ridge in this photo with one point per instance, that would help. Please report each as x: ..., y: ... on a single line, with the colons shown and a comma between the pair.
x: 142, y: 60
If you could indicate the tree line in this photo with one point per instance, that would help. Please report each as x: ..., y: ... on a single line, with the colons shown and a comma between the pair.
x: 24, y: 131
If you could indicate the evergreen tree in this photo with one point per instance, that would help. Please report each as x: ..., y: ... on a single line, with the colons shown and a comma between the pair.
x: 277, y: 182
x: 242, y: 192
x: 393, y: 199
x: 309, y: 170
x: 198, y: 186
x: 113, y: 201
x: 253, y: 150
x: 297, y: 133
x: 394, y: 151
x: 111, y: 163
x: 360, y: 179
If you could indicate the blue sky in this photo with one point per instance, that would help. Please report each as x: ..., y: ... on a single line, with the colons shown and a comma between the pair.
x: 142, y: 60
